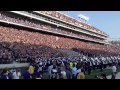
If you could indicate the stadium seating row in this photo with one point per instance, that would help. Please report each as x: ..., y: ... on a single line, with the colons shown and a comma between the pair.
x: 70, y: 20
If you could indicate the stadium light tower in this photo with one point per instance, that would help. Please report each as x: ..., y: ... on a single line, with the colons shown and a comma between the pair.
x: 65, y: 12
x: 83, y: 18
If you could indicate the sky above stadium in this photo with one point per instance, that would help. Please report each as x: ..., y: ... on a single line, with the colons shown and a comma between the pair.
x: 107, y: 21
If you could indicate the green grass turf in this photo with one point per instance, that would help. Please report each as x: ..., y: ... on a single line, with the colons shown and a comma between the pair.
x: 45, y: 75
x: 92, y: 75
x: 98, y: 73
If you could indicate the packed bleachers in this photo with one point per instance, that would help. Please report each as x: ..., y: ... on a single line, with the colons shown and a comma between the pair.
x: 105, y: 50
x: 23, y: 44
x: 5, y: 55
x: 19, y: 43
x: 70, y: 20
x: 47, y: 27
x: 20, y: 52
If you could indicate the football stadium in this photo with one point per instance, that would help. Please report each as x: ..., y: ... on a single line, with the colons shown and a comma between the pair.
x: 53, y: 45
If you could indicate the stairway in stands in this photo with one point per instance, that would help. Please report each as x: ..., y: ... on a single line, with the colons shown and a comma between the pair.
x: 69, y: 52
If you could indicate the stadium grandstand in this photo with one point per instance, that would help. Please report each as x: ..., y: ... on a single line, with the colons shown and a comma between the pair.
x: 34, y: 34
x: 20, y: 30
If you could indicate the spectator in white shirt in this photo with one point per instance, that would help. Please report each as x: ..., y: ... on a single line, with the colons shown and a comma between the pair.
x: 114, y: 69
x: 16, y: 74
x: 49, y: 70
x: 78, y: 69
x: 74, y: 69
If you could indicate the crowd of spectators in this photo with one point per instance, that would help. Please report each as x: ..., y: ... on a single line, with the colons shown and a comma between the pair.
x: 24, y: 44
x: 64, y: 68
x: 70, y: 20
x: 47, y: 27
x: 106, y: 50
x: 20, y: 52
x: 5, y: 56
